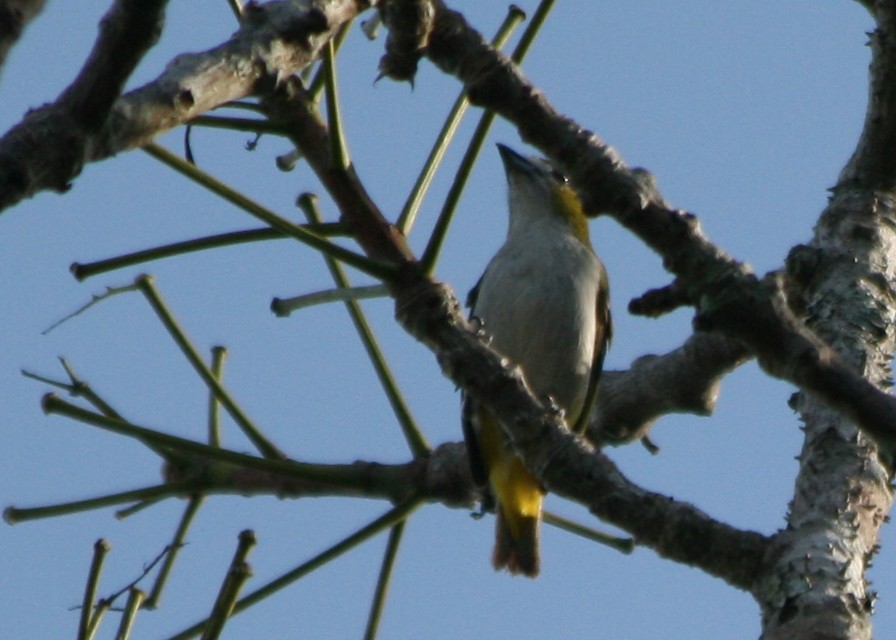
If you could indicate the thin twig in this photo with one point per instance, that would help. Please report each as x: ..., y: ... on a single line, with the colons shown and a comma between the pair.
x: 443, y: 222
x: 283, y: 307
x: 100, y: 549
x: 95, y: 299
x: 135, y: 601
x: 265, y: 446
x: 375, y: 268
x: 382, y: 583
x: 390, y: 518
x: 412, y: 432
x: 424, y: 179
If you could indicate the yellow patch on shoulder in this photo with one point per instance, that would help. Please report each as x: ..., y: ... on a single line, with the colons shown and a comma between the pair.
x: 567, y: 205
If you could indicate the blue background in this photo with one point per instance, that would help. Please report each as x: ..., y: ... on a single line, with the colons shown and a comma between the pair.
x: 744, y: 111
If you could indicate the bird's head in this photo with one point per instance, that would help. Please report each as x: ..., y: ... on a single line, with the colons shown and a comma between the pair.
x: 538, y: 191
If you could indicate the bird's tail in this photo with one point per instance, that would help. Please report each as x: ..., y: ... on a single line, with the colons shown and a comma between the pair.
x: 519, y: 496
x: 518, y: 554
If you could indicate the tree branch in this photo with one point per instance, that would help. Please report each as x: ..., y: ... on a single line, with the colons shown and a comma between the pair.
x: 565, y: 464
x: 685, y: 380
x: 47, y: 149
x: 273, y: 43
x: 729, y: 298
x: 843, y: 282
x: 14, y: 17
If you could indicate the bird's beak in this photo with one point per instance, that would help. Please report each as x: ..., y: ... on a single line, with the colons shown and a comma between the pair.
x: 514, y: 162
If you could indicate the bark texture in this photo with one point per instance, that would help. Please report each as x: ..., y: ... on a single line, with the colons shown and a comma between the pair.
x: 845, y: 284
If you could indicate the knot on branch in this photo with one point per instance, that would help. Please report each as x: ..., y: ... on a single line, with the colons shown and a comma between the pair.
x: 721, y: 304
x: 410, y: 24
x: 291, y: 27
x: 447, y: 476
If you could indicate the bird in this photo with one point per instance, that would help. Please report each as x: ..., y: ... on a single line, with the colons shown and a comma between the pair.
x: 543, y: 304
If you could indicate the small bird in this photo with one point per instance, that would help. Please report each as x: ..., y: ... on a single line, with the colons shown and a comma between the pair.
x: 543, y: 302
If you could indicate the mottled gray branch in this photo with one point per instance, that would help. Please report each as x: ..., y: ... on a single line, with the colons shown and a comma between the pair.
x: 844, y: 284
x: 442, y: 476
x: 685, y: 380
x: 47, y: 149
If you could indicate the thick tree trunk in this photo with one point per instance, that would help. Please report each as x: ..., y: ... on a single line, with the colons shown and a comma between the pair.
x: 845, y: 282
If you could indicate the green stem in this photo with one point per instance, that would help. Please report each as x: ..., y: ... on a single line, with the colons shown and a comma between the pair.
x: 135, y: 601
x: 376, y: 268
x: 219, y: 355
x: 155, y: 594
x: 624, y: 545
x: 390, y: 518
x: 339, y: 157
x: 99, y: 612
x: 412, y: 433
x: 382, y: 583
x: 82, y: 271
x: 236, y: 577
x: 349, y: 476
x: 528, y: 37
x: 14, y: 515
x: 283, y: 307
x: 100, y: 549
x: 412, y: 206
x: 440, y: 230
x: 317, y: 84
x: 135, y: 508
x: 267, y: 449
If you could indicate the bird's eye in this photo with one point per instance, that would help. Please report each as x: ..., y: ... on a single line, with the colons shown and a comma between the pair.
x: 557, y: 175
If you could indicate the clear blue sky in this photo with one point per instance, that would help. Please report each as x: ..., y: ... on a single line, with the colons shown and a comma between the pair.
x: 745, y: 111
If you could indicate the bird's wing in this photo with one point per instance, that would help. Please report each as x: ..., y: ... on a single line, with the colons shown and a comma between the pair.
x: 602, y: 338
x: 474, y: 452
x: 468, y: 411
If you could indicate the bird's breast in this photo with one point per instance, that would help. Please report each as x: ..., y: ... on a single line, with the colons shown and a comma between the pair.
x: 538, y: 308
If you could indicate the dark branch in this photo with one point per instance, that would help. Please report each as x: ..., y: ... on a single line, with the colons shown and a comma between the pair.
x: 14, y: 17
x: 564, y: 462
x: 730, y: 299
x: 430, y: 312
x: 685, y: 380
x: 657, y: 302
x: 290, y: 106
x: 410, y: 22
x: 47, y: 149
